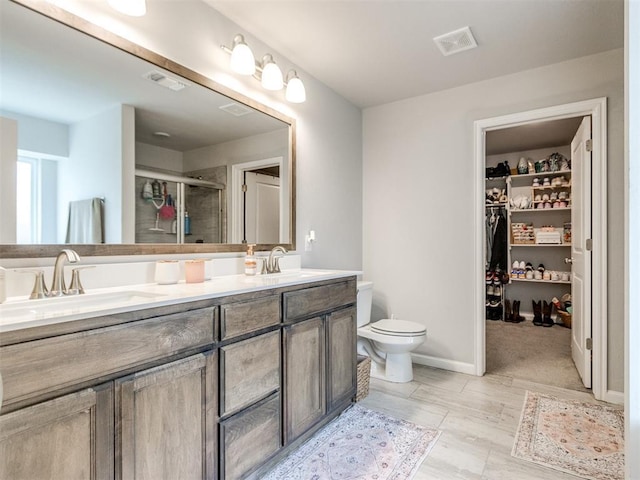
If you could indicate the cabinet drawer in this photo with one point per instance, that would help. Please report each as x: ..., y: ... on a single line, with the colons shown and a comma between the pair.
x: 245, y: 317
x: 314, y: 300
x: 38, y: 367
x: 250, y: 370
x: 247, y: 440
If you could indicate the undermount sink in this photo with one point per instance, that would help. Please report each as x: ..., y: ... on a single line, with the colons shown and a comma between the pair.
x: 51, y: 307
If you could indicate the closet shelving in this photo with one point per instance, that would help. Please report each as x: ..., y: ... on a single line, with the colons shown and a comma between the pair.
x: 551, y: 255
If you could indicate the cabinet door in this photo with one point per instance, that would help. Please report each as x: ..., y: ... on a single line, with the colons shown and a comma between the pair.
x: 304, y: 376
x: 341, y: 359
x: 165, y: 421
x: 69, y: 437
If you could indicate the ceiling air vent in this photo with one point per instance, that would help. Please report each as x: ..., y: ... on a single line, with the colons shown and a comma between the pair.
x: 456, y: 41
x: 161, y: 79
x: 236, y: 109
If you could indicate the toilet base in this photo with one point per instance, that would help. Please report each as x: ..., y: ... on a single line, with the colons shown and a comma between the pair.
x: 397, y: 368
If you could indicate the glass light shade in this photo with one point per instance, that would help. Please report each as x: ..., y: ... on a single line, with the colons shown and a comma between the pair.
x: 133, y: 8
x: 242, y: 59
x: 271, y: 76
x: 295, y: 90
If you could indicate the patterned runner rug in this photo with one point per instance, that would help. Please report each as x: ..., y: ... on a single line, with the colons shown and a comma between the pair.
x: 583, y: 439
x: 360, y: 445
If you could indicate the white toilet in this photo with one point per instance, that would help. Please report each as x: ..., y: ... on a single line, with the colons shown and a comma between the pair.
x: 388, y: 342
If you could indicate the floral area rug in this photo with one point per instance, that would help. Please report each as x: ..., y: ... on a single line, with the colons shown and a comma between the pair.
x: 579, y: 438
x: 360, y: 444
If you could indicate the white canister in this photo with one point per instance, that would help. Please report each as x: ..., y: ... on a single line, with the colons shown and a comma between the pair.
x: 167, y: 272
x: 208, y: 269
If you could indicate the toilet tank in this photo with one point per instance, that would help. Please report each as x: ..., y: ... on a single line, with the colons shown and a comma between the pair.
x: 364, y: 300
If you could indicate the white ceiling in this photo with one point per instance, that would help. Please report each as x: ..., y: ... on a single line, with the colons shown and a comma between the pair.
x: 375, y: 52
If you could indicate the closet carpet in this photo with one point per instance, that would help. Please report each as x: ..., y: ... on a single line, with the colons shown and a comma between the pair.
x: 525, y: 351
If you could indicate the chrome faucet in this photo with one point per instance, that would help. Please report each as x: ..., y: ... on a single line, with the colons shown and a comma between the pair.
x: 272, y: 264
x: 58, y: 287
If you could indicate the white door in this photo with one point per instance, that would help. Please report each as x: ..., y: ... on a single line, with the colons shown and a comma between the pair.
x: 580, y: 255
x: 262, y: 208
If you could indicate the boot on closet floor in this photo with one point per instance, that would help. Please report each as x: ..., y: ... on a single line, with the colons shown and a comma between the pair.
x: 546, y: 312
x: 537, y: 312
x: 517, y: 318
x: 508, y: 316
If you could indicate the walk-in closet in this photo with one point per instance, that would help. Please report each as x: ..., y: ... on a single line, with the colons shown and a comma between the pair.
x: 530, y: 188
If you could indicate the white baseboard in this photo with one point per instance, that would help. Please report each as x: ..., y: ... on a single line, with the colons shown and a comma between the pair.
x: 613, y: 396
x: 443, y: 363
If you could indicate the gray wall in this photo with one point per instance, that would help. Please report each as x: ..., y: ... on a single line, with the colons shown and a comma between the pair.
x: 419, y: 200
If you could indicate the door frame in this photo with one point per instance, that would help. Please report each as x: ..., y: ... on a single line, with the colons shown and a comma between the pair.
x: 597, y: 109
x: 235, y: 193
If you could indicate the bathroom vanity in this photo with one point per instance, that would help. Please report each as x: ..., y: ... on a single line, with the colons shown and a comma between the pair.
x: 211, y: 385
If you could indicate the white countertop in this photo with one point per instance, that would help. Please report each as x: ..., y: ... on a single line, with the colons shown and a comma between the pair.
x: 20, y: 313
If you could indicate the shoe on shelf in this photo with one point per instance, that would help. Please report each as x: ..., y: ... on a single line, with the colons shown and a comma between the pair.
x: 490, y: 290
x: 541, y: 268
x: 497, y: 290
x: 488, y: 277
x: 521, y: 265
x: 537, y: 275
x: 537, y: 312
x: 529, y: 275
x: 546, y: 182
x: 546, y: 314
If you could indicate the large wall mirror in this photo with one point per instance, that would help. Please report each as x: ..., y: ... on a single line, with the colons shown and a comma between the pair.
x: 116, y: 150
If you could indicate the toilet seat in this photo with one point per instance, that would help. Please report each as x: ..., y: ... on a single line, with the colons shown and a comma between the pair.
x: 398, y: 328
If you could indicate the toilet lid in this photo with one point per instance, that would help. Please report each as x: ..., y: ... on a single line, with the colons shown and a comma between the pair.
x: 398, y: 327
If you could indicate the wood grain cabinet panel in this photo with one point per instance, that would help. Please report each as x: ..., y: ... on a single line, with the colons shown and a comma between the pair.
x: 69, y: 437
x: 304, y: 372
x: 41, y: 366
x: 341, y: 357
x: 165, y: 421
x: 250, y: 370
x: 315, y: 300
x: 249, y: 438
x: 244, y: 317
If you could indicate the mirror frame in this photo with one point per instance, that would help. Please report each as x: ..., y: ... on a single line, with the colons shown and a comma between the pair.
x: 51, y: 250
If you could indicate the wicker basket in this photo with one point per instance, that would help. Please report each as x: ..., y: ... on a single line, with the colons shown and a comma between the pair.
x: 566, y: 318
x: 362, y: 377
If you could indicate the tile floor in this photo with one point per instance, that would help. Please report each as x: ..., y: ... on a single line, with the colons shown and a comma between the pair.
x: 478, y: 417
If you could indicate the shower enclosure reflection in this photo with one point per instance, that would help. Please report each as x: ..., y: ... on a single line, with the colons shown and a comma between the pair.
x: 173, y: 209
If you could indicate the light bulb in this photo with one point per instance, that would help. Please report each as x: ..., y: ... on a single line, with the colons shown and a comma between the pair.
x: 133, y: 8
x: 242, y: 59
x: 295, y: 89
x: 271, y: 74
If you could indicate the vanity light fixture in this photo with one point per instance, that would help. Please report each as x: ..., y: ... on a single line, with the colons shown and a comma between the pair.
x: 266, y: 70
x: 242, y: 60
x: 295, y: 88
x: 133, y: 8
x: 271, y: 74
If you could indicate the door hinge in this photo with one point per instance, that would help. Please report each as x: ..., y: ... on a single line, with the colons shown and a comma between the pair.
x: 589, y: 245
x: 244, y: 188
x: 589, y: 344
x: 589, y: 145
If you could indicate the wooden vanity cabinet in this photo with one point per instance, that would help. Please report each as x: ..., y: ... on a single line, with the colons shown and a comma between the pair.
x: 250, y: 413
x: 319, y: 354
x: 214, y: 389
